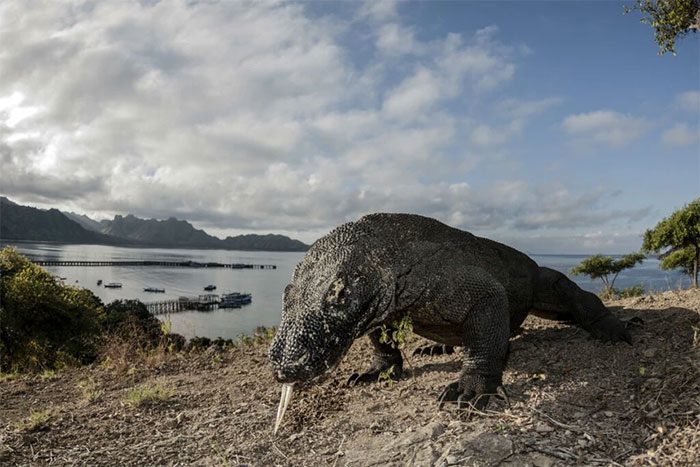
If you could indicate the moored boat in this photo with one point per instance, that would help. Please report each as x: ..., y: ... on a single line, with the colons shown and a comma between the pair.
x: 154, y: 289
x: 235, y: 300
x: 210, y: 287
x: 114, y: 285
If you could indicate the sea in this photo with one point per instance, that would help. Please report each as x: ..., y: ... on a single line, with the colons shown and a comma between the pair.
x: 265, y: 285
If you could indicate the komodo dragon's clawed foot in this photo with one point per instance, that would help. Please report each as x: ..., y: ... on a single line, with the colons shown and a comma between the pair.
x: 437, y: 349
x: 474, y: 391
x: 374, y: 374
x: 610, y: 329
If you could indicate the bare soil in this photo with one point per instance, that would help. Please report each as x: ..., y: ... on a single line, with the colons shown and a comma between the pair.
x: 573, y: 400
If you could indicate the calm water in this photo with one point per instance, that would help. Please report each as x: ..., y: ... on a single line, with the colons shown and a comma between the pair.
x: 265, y: 285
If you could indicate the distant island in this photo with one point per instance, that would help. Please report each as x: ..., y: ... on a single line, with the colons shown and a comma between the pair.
x: 26, y: 223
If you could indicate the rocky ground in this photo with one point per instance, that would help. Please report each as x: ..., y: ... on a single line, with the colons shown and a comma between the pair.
x: 573, y: 400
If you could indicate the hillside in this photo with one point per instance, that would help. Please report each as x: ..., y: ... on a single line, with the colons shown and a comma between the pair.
x: 179, y: 233
x: 85, y: 221
x: 168, y: 233
x: 27, y: 223
x: 620, y: 405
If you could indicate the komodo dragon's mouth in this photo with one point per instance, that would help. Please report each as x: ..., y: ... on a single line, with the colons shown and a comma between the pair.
x: 288, y: 388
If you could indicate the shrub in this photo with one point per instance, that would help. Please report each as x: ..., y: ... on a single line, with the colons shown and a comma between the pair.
x: 130, y: 319
x: 43, y: 323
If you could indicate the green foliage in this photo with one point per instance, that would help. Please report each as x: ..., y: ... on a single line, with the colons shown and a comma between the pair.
x: 148, y: 394
x: 37, y: 420
x: 633, y: 291
x: 131, y: 319
x: 671, y: 19
x: 683, y: 259
x: 681, y: 233
x: 387, y: 376
x: 602, y: 267
x: 403, y: 329
x: 43, y: 323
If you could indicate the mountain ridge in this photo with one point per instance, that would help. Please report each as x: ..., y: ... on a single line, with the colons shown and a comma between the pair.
x: 28, y: 223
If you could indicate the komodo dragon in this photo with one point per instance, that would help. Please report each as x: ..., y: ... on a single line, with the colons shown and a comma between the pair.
x: 458, y: 290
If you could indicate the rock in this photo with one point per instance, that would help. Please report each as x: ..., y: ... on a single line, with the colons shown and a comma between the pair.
x: 540, y: 460
x: 452, y: 459
x: 422, y: 434
x: 424, y: 456
x: 542, y: 427
x: 487, y: 448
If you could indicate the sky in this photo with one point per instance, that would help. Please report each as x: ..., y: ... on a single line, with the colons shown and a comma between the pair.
x: 554, y: 127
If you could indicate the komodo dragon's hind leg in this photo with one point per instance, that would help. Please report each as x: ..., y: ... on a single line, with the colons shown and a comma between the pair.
x: 486, y: 332
x: 385, y: 358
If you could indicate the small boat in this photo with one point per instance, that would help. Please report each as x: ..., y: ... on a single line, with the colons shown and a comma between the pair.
x: 235, y: 300
x: 114, y: 285
x: 99, y: 282
x: 210, y: 287
x: 154, y: 289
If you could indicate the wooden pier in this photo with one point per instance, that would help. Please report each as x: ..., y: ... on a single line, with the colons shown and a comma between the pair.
x: 166, y: 264
x: 202, y: 303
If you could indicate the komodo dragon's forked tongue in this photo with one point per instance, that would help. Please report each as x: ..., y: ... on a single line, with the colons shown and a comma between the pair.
x: 284, y: 402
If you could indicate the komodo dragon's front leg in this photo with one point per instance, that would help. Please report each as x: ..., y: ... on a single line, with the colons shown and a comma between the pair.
x: 486, y: 329
x: 385, y: 358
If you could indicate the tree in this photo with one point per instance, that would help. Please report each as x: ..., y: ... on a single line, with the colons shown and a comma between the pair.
x: 682, y: 259
x: 602, y: 267
x: 43, y: 323
x: 671, y: 19
x: 679, y: 232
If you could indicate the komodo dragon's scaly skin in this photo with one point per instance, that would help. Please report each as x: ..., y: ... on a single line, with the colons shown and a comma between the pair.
x: 458, y: 290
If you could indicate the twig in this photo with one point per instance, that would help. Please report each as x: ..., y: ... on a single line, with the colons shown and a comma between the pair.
x: 444, y: 454
x: 337, y: 452
x: 560, y: 454
x: 278, y: 450
x: 559, y: 424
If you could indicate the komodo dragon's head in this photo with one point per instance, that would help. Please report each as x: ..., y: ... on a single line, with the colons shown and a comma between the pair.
x: 337, y: 294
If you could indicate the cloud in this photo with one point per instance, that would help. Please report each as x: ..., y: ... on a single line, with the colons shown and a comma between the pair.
x: 606, y: 126
x: 689, y: 101
x: 521, y: 108
x: 186, y: 108
x: 681, y: 134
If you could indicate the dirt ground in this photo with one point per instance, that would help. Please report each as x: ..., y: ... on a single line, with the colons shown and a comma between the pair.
x: 573, y: 400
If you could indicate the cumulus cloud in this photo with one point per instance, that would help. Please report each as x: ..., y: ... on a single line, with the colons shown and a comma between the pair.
x: 254, y: 115
x: 606, y: 126
x: 689, y: 101
x: 681, y: 134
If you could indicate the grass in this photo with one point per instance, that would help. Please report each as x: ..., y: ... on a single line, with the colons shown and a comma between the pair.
x: 8, y: 376
x: 91, y: 390
x: 148, y: 394
x: 37, y: 420
x: 47, y: 374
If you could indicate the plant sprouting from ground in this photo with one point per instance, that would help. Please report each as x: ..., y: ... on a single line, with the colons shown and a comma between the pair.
x: 148, y: 394
x: 680, y: 232
x: 402, y: 330
x: 606, y: 268
x: 36, y: 420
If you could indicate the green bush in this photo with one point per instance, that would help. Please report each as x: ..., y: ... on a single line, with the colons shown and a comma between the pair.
x: 43, y: 323
x: 131, y: 320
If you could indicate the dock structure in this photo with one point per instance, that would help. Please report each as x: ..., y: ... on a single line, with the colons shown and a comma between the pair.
x: 167, y: 264
x: 201, y: 303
